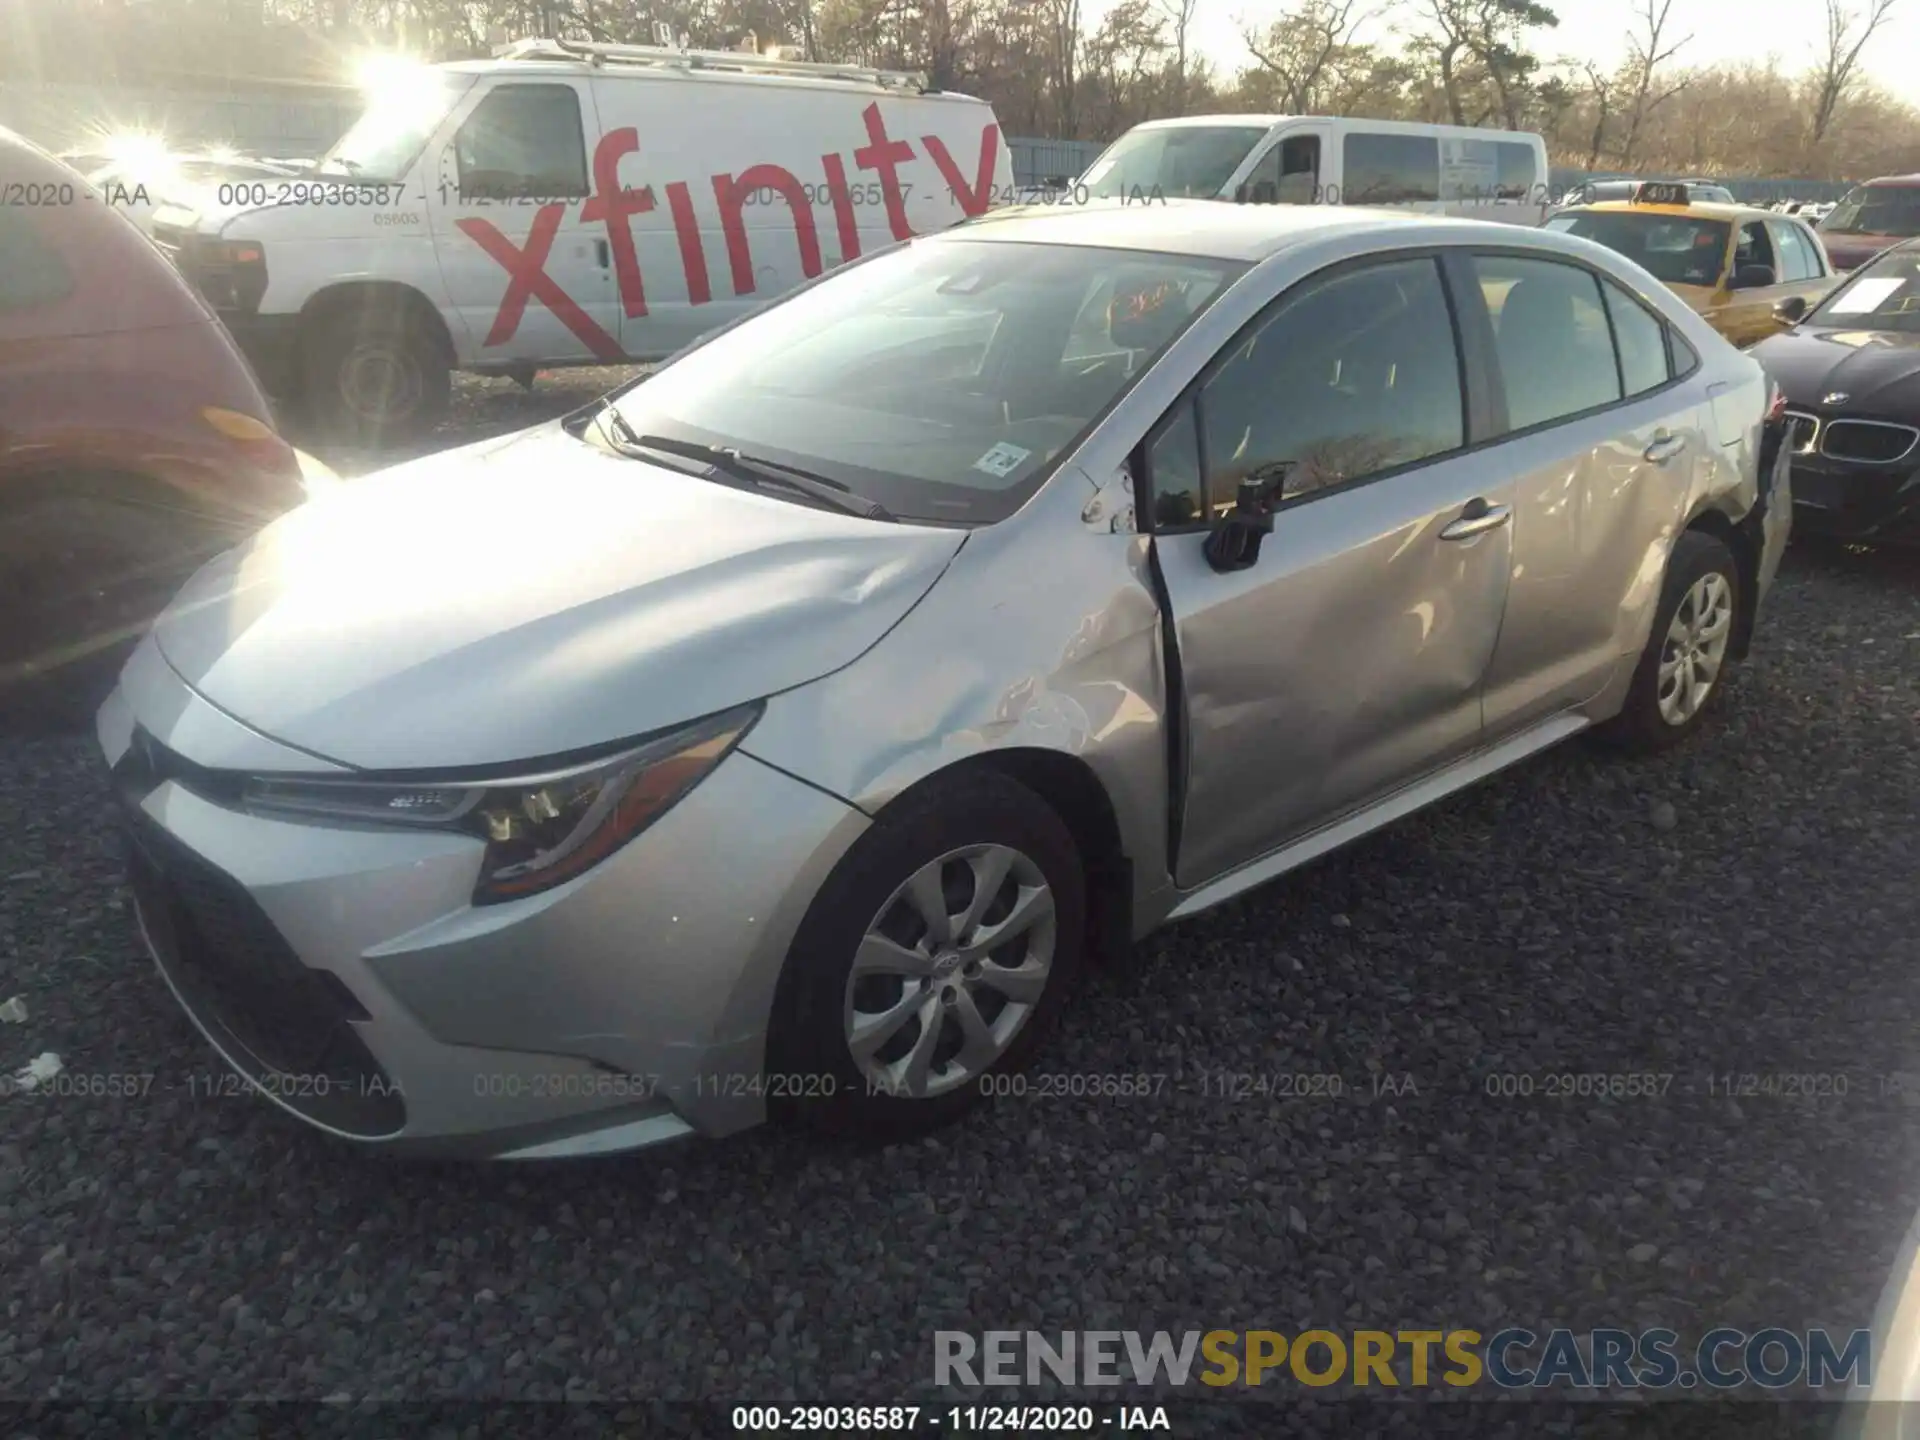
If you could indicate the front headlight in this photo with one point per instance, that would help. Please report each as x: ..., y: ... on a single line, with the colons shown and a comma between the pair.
x: 540, y: 830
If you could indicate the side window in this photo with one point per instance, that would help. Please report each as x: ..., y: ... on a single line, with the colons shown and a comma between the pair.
x: 1551, y: 338
x: 1640, y: 339
x: 1173, y: 470
x: 1346, y: 377
x: 1682, y: 358
x: 1795, y: 263
x: 1755, y: 248
x: 1815, y: 253
x: 1519, y: 171
x: 1263, y: 181
x: 32, y: 273
x: 1390, y: 169
x: 1299, y: 169
x: 523, y: 140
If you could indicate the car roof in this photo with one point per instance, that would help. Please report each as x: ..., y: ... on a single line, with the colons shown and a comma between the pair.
x: 1708, y: 209
x: 1216, y: 229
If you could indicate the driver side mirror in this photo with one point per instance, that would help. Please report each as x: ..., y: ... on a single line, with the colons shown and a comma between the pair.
x: 1754, y: 277
x: 1234, y: 544
x: 1790, y: 311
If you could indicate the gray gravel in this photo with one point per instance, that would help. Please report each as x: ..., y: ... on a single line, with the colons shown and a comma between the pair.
x: 1746, y: 905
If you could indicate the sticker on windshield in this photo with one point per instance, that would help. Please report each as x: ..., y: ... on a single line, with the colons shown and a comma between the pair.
x: 1002, y: 460
x: 1865, y: 295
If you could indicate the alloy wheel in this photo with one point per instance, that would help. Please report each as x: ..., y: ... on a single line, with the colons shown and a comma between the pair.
x: 1695, y: 648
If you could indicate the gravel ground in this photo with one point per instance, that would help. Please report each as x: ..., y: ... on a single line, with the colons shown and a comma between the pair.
x: 1746, y: 905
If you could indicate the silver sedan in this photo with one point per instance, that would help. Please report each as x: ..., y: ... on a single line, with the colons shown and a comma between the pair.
x: 783, y: 734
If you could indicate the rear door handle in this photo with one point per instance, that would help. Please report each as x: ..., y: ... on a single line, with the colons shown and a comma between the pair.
x: 602, y: 254
x: 1478, y: 518
x: 1665, y: 447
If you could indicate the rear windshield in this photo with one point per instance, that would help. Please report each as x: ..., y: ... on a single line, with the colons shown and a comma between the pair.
x: 1881, y: 295
x: 1674, y: 249
x: 1192, y: 162
x: 1876, y: 210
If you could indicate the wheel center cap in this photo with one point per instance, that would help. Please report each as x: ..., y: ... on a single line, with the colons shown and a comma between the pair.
x: 945, y: 965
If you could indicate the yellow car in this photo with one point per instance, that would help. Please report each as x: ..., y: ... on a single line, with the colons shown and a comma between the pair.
x: 1749, y: 272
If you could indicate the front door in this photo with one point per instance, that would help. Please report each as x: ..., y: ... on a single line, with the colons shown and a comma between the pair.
x: 1744, y: 314
x: 1348, y: 659
x: 528, y: 278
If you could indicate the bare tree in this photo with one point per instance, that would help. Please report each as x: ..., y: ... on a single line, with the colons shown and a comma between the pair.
x: 1301, y: 48
x: 1180, y: 12
x: 1600, y: 92
x: 1648, y: 52
x: 1848, y: 32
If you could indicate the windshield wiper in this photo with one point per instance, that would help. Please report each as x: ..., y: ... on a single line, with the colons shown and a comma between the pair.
x: 753, y: 469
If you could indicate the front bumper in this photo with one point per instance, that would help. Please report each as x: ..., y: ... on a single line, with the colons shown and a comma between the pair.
x: 1856, y: 502
x: 343, y: 973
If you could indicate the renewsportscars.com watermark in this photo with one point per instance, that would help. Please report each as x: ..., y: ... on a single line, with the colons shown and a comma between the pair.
x: 1510, y: 1359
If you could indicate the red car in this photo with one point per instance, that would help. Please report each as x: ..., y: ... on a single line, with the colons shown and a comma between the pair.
x: 1872, y: 217
x: 135, y: 442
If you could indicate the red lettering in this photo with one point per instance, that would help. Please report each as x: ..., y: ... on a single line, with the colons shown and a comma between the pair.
x: 527, y: 279
x: 731, y: 192
x: 611, y: 205
x: 973, y: 199
x: 843, y: 216
x: 885, y: 156
x: 693, y: 256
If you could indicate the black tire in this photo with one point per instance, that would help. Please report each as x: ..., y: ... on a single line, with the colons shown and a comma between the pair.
x: 1640, y: 728
x: 813, y: 1076
x: 374, y: 379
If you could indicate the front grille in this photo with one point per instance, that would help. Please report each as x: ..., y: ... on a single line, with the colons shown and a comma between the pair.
x: 286, y: 1025
x: 1803, y: 432
x: 1869, y: 442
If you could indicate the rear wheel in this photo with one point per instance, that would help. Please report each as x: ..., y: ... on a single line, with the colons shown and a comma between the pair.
x: 932, y: 965
x: 375, y: 379
x: 1684, y: 667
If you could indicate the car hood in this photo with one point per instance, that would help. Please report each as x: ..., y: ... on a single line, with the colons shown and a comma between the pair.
x: 1849, y: 252
x: 526, y: 598
x: 1878, y: 371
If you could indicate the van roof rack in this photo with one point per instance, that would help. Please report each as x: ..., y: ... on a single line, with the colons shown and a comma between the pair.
x: 674, y: 58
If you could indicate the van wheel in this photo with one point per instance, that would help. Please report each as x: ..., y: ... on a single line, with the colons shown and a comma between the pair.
x: 1684, y: 667
x: 931, y: 965
x: 375, y: 380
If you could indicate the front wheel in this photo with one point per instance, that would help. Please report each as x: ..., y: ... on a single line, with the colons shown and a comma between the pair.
x: 375, y: 379
x: 1683, y: 669
x: 932, y: 964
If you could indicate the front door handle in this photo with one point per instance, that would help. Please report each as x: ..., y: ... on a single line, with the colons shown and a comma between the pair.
x: 1478, y: 518
x: 1665, y: 447
x: 603, y: 254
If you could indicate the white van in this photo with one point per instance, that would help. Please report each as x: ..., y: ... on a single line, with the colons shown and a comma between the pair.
x: 1326, y: 160
x: 569, y: 204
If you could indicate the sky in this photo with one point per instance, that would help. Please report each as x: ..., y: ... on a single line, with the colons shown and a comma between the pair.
x: 1721, y: 30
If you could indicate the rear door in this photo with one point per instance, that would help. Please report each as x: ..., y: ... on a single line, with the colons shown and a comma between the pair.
x: 527, y: 277
x: 1348, y: 659
x: 1603, y: 434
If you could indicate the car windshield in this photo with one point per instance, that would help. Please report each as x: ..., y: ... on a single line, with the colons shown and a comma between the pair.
x: 1882, y: 295
x: 1876, y: 210
x: 943, y: 379
x: 394, y: 128
x: 1674, y: 249
x: 1192, y: 162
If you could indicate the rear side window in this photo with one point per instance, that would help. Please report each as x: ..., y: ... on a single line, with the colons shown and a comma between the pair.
x: 1551, y: 338
x: 1640, y: 338
x: 1518, y: 171
x: 32, y: 274
x: 1682, y: 358
x: 1390, y: 169
x: 525, y: 141
x: 1347, y: 377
